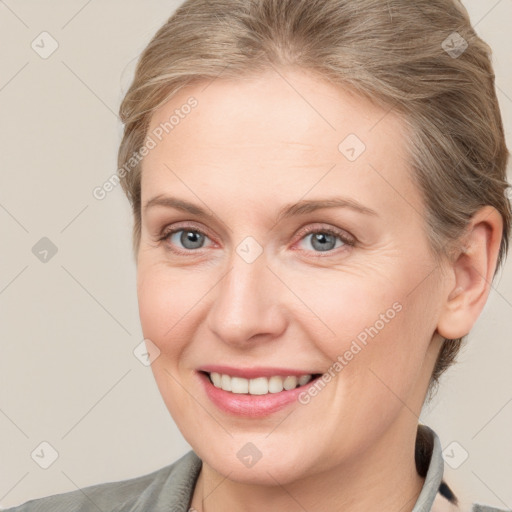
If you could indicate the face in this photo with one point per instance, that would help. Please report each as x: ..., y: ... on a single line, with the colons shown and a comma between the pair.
x: 282, y: 238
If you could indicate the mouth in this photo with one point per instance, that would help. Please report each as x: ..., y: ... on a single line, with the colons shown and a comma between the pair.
x: 259, y: 385
x: 254, y: 393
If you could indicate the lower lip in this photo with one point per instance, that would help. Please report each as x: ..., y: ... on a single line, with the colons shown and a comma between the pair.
x: 253, y: 406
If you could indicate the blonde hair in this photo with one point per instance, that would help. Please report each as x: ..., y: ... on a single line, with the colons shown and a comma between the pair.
x: 408, y: 55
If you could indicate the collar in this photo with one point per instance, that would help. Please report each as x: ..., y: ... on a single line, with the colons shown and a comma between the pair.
x: 429, y: 463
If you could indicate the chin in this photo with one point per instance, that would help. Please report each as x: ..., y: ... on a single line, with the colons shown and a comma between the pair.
x: 242, y: 462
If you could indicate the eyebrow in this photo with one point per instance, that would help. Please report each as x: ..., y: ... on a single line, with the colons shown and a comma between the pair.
x: 300, y: 208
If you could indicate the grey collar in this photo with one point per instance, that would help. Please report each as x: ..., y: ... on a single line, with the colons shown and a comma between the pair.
x: 434, y: 474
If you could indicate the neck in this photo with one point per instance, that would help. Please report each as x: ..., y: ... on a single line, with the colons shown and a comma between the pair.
x: 359, y: 485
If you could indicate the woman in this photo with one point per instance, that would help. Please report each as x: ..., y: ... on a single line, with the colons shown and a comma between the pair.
x: 320, y: 206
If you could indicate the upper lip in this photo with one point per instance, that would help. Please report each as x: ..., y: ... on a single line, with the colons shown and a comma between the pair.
x: 254, y: 372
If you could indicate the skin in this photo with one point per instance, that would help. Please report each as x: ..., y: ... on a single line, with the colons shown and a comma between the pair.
x: 250, y: 147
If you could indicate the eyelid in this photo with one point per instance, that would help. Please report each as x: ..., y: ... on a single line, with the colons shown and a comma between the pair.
x: 186, y: 224
x: 346, y: 237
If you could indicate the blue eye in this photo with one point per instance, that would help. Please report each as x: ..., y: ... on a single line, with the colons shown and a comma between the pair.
x: 190, y: 239
x: 325, y: 240
x: 320, y: 240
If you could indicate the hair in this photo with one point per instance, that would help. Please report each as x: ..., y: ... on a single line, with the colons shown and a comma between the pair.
x: 406, y: 55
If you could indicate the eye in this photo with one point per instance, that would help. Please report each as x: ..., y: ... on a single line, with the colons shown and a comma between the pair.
x: 184, y: 239
x: 324, y: 239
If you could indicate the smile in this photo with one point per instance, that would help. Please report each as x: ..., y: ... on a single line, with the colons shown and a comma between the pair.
x: 259, y: 385
x: 256, y: 392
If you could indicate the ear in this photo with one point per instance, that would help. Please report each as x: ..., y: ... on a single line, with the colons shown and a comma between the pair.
x: 471, y: 274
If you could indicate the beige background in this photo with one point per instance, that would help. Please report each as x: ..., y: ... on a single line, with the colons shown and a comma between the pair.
x: 68, y: 327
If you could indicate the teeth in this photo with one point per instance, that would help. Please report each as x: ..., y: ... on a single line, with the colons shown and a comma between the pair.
x: 259, y: 385
x: 225, y: 382
x: 275, y: 384
x: 304, y: 379
x: 290, y: 382
x: 238, y: 385
x: 216, y: 379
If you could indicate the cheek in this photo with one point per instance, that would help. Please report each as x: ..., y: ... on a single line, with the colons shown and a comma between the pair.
x: 391, y: 363
x: 164, y: 301
x: 350, y: 308
x: 372, y: 326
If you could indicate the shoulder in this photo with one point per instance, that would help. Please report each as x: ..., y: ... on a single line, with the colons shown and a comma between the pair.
x: 174, y: 482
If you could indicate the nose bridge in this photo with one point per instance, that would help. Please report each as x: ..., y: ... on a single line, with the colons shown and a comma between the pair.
x: 245, y: 304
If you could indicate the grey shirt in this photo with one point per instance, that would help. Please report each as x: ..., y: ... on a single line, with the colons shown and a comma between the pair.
x: 170, y: 489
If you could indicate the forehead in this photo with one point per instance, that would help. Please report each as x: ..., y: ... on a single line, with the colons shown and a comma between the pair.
x: 283, y: 130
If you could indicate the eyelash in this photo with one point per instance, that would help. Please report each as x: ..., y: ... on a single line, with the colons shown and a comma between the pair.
x: 348, y: 241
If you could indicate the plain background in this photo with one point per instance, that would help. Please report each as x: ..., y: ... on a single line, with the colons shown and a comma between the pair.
x: 68, y: 326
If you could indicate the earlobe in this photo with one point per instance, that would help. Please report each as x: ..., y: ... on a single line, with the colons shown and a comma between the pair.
x: 473, y: 272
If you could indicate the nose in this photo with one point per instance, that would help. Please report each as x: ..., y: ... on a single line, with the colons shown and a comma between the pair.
x: 246, y: 308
